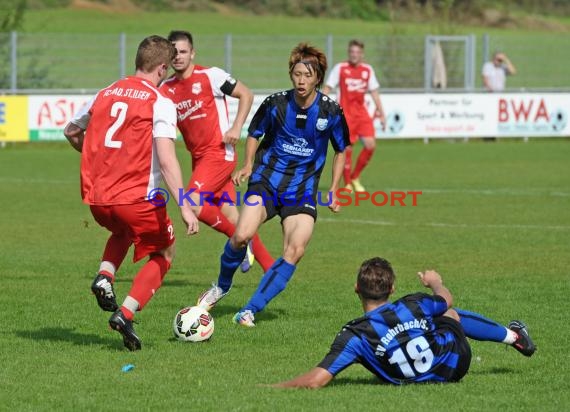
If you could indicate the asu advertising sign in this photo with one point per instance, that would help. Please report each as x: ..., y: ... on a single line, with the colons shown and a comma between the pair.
x: 48, y: 115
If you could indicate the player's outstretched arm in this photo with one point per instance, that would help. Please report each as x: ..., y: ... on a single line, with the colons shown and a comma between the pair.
x: 74, y: 135
x: 337, y: 168
x: 245, y: 172
x: 314, y: 379
x: 245, y: 97
x: 172, y: 176
x: 431, y: 279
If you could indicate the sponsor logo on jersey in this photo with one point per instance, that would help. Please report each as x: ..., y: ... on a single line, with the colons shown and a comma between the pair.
x: 353, y: 85
x: 172, y: 90
x: 322, y: 124
x: 298, y: 148
x: 197, y: 88
x: 301, y: 116
x: 186, y: 108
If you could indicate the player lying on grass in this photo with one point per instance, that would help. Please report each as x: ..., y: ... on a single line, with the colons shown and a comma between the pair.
x: 284, y: 171
x: 417, y: 338
x: 126, y: 138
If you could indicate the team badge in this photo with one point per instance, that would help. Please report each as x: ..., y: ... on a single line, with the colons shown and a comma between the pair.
x: 197, y: 88
x: 322, y: 124
x: 365, y: 75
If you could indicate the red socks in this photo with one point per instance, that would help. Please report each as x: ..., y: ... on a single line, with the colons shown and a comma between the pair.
x: 147, y: 282
x: 213, y: 217
x: 115, y: 250
x: 363, y: 159
x: 261, y: 254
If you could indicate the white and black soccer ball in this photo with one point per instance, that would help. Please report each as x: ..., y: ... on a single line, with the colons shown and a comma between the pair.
x: 193, y: 324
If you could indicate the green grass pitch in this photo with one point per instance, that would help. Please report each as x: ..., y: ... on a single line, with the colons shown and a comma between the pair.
x: 494, y: 219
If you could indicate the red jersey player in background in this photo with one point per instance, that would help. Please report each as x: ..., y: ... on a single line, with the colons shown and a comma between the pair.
x: 354, y: 79
x: 126, y: 138
x: 200, y: 96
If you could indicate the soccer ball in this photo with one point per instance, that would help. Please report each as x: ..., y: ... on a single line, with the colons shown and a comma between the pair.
x: 193, y: 324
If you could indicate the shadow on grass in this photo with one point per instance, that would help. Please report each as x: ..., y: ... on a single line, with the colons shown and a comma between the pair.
x: 357, y: 381
x: 61, y: 334
x: 492, y: 371
x: 221, y: 310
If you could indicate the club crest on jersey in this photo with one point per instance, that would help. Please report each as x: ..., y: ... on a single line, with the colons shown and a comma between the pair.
x: 365, y: 75
x: 322, y: 124
x: 197, y: 88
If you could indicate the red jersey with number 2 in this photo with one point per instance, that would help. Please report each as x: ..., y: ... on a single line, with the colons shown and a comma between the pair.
x: 119, y: 164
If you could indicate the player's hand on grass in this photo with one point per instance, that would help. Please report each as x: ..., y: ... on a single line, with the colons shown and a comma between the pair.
x: 332, y: 201
x: 191, y: 221
x: 430, y: 278
x: 241, y: 175
x: 231, y: 136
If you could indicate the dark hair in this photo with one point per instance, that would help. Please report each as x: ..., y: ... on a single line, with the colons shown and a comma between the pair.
x: 375, y: 279
x: 176, y: 35
x: 355, y: 42
x: 314, y: 59
x: 152, y: 52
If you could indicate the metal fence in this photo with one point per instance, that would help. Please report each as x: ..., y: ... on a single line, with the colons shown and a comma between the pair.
x: 35, y: 63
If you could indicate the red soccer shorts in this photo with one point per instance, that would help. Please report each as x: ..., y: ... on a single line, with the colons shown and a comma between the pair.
x: 360, y: 125
x: 147, y: 225
x: 213, y: 175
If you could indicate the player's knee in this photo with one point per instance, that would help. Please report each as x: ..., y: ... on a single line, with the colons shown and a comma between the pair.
x: 370, y: 144
x: 240, y: 240
x: 293, y: 253
x: 169, y: 253
x: 451, y: 313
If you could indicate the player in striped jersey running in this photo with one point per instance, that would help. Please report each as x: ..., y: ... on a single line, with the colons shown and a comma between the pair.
x: 417, y: 338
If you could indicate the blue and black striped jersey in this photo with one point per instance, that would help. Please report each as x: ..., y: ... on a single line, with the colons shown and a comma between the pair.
x: 402, y: 342
x: 292, y: 153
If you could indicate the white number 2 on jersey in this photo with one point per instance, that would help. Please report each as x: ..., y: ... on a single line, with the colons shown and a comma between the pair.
x: 118, y: 110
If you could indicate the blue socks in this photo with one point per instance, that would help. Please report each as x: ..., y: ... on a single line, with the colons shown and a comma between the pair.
x: 229, y: 262
x: 479, y: 327
x: 272, y: 283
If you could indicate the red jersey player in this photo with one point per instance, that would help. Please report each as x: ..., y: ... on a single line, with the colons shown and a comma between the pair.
x: 200, y: 96
x: 354, y: 79
x: 126, y: 138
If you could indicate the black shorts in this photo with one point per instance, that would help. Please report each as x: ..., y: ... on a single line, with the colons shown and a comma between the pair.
x: 276, y: 205
x: 462, y: 347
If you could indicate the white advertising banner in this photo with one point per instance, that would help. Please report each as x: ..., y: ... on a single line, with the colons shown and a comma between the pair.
x: 419, y: 115
x: 48, y: 115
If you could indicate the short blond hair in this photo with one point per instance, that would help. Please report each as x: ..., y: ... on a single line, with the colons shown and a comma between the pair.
x: 152, y: 52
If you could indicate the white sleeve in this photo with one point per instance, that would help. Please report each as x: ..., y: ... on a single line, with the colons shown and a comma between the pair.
x: 164, y: 118
x: 373, y: 82
x: 334, y: 76
x: 217, y: 78
x: 487, y: 69
x: 82, y: 117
